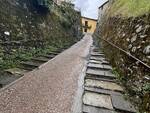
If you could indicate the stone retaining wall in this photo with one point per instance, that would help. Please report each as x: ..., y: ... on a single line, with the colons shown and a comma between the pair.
x: 132, y: 35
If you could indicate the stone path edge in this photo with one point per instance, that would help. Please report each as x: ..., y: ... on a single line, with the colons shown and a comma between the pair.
x: 82, y: 75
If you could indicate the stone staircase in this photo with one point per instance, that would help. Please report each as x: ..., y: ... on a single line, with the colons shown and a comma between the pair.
x: 13, y: 74
x: 102, y: 94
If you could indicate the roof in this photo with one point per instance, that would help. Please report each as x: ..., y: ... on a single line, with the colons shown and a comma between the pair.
x: 89, y: 18
x: 104, y: 4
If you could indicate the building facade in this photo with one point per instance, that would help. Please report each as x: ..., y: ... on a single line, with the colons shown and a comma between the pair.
x: 88, y: 25
x: 102, y: 9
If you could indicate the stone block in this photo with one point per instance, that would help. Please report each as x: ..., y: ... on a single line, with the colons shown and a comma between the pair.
x: 95, y: 62
x: 107, y: 67
x: 49, y: 56
x: 40, y: 59
x: 119, y: 103
x: 103, y: 85
x: 16, y: 71
x: 91, y: 109
x: 95, y: 72
x: 97, y: 54
x: 99, y: 73
x: 97, y: 66
x: 99, y: 78
x: 101, y: 91
x: 97, y: 100
x: 97, y: 58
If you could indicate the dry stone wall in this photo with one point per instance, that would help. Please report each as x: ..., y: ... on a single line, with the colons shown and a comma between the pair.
x: 27, y: 28
x: 132, y: 35
x: 23, y: 21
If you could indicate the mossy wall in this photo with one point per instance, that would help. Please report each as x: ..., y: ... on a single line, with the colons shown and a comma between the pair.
x: 25, y: 26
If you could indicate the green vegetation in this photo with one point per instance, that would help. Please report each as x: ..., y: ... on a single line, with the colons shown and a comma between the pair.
x: 130, y: 7
x: 13, y: 60
x: 34, y: 31
x: 146, y: 87
x: 117, y: 74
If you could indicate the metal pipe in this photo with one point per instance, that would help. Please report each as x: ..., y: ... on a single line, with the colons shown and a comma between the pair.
x: 126, y: 52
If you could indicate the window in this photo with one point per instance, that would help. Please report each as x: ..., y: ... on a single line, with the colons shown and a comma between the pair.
x: 86, y: 23
x: 85, y: 30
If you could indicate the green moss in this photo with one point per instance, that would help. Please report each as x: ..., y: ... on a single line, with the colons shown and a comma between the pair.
x: 33, y: 33
x: 146, y: 87
x: 19, y: 55
x: 130, y: 7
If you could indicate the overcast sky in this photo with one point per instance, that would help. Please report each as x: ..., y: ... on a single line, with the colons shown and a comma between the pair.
x: 89, y: 8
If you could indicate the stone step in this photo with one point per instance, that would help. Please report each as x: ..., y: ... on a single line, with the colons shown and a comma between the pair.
x: 103, y: 85
x: 28, y: 68
x: 37, y: 62
x: 102, y: 59
x: 107, y: 67
x: 101, y: 79
x: 105, y: 63
x: 91, y: 72
x: 16, y: 71
x: 97, y: 54
x: 99, y: 66
x: 102, y: 91
x: 99, y: 74
x: 92, y: 109
x: 109, y: 73
x: 48, y: 56
x: 96, y: 50
x: 97, y: 100
x: 95, y: 62
x: 30, y: 65
x: 99, y: 61
x: 120, y: 104
x: 53, y: 53
x: 40, y: 59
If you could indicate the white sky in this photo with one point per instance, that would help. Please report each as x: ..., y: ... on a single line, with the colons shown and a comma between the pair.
x: 89, y: 8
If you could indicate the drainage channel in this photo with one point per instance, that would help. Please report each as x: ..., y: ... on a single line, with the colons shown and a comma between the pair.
x: 11, y: 75
x: 102, y: 94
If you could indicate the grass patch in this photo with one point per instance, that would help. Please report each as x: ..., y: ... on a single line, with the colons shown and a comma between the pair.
x: 130, y: 8
x: 118, y: 74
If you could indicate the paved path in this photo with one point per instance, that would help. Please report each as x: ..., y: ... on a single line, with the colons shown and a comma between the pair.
x: 52, y: 87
